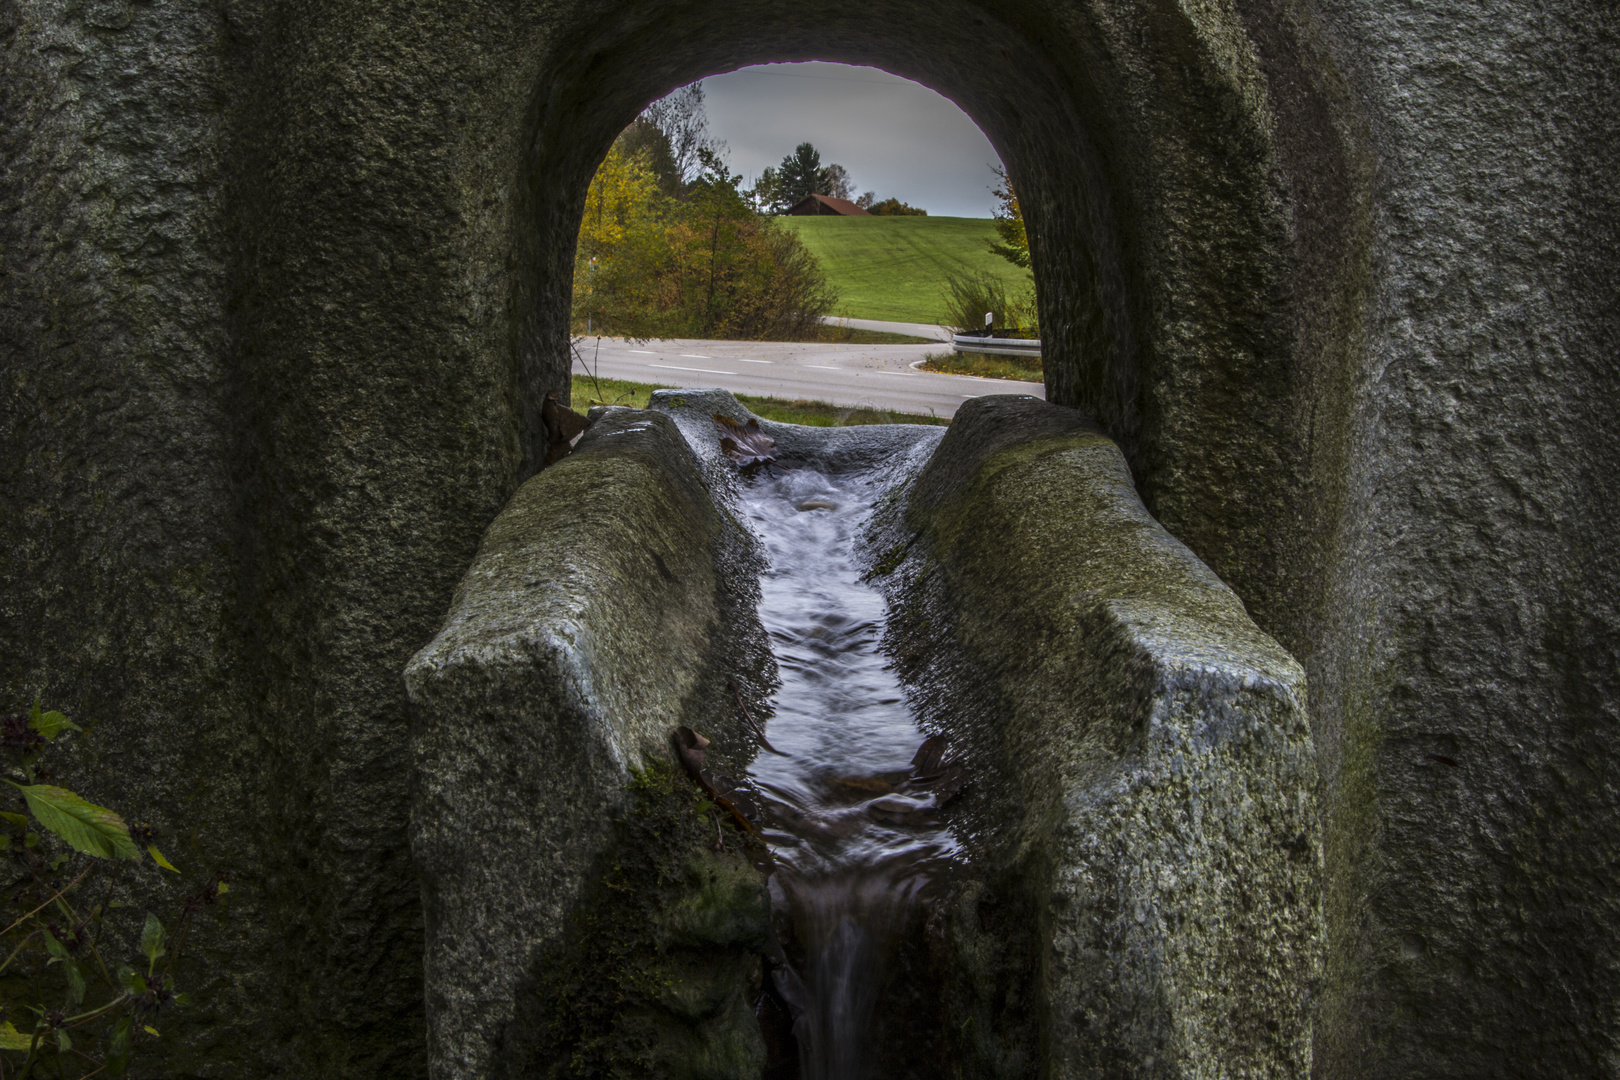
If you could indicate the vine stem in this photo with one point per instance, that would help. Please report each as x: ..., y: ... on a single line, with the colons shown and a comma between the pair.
x: 17, y: 950
x: 85, y: 1017
x: 48, y: 902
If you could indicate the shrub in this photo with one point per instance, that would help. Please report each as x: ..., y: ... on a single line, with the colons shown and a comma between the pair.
x: 892, y: 207
x: 71, y: 1005
x: 968, y: 297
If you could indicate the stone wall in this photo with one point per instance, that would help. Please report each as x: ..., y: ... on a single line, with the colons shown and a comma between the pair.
x: 1142, y: 782
x: 281, y: 285
x: 611, y: 602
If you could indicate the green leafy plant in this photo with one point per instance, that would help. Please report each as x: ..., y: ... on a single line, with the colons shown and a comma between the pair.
x: 68, y: 1007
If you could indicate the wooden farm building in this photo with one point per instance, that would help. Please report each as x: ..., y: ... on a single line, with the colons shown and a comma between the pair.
x: 826, y: 204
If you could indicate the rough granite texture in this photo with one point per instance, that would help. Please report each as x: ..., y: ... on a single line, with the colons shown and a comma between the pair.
x: 282, y: 285
x: 1143, y: 779
x: 608, y: 604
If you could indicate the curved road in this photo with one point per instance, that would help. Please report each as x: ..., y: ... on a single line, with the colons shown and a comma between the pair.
x: 922, y: 330
x: 870, y: 376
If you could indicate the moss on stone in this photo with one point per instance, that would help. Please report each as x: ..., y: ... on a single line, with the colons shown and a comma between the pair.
x: 1141, y: 821
x: 656, y: 975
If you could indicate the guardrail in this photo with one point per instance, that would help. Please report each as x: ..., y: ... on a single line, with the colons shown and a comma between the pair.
x: 997, y: 346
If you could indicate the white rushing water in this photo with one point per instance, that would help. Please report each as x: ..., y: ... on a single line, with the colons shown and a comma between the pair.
x: 854, y: 835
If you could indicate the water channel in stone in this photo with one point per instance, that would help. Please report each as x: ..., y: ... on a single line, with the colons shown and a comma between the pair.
x: 852, y: 829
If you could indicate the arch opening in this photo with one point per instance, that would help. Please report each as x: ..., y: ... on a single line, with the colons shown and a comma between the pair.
x: 1193, y: 238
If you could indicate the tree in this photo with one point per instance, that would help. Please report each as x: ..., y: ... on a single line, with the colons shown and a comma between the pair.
x: 622, y: 202
x: 801, y: 174
x: 645, y: 138
x: 766, y: 194
x: 895, y: 208
x: 1014, y: 246
x: 617, y: 231
x: 866, y: 200
x: 835, y: 182
x: 682, y: 119
x: 703, y: 264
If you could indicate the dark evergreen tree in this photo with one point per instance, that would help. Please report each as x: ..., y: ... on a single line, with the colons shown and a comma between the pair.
x: 801, y: 174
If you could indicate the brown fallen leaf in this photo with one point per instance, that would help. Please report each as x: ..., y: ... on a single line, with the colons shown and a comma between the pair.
x: 745, y: 444
x: 927, y: 759
x: 691, y: 748
x: 931, y: 771
x: 563, y: 426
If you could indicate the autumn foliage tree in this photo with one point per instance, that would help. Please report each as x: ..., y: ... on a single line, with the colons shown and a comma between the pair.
x: 1009, y: 218
x: 698, y: 264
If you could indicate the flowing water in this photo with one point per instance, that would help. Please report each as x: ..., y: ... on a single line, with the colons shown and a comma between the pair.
x: 850, y: 822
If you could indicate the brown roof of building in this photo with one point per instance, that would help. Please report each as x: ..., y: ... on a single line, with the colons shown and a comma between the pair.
x: 837, y: 206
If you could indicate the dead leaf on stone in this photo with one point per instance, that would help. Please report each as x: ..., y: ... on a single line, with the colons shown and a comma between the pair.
x: 692, y: 748
x: 563, y: 426
x: 926, y: 761
x: 931, y: 771
x: 745, y: 444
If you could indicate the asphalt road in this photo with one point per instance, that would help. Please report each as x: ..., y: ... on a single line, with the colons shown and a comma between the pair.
x: 870, y: 376
x: 922, y: 330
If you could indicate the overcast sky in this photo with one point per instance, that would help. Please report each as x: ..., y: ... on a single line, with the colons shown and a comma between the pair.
x: 894, y: 136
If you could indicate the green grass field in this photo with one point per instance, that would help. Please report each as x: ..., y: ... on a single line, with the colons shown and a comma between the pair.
x: 894, y: 267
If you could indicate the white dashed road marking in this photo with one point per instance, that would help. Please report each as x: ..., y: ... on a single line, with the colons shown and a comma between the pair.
x: 704, y: 370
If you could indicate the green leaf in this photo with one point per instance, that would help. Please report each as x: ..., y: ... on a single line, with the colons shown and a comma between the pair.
x: 63, y: 1043
x: 182, y: 999
x: 92, y: 829
x: 19, y: 820
x: 57, y: 950
x: 118, y: 1055
x: 157, y: 857
x: 152, y: 938
x: 130, y: 980
x: 12, y: 1039
x: 75, y: 983
x: 51, y: 724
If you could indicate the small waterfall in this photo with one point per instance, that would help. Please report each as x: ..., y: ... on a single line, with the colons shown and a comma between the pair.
x: 850, y: 821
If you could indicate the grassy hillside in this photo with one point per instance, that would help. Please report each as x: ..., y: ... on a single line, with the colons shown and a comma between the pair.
x: 894, y: 267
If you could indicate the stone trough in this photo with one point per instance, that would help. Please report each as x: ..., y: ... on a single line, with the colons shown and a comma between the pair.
x: 1139, y: 888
